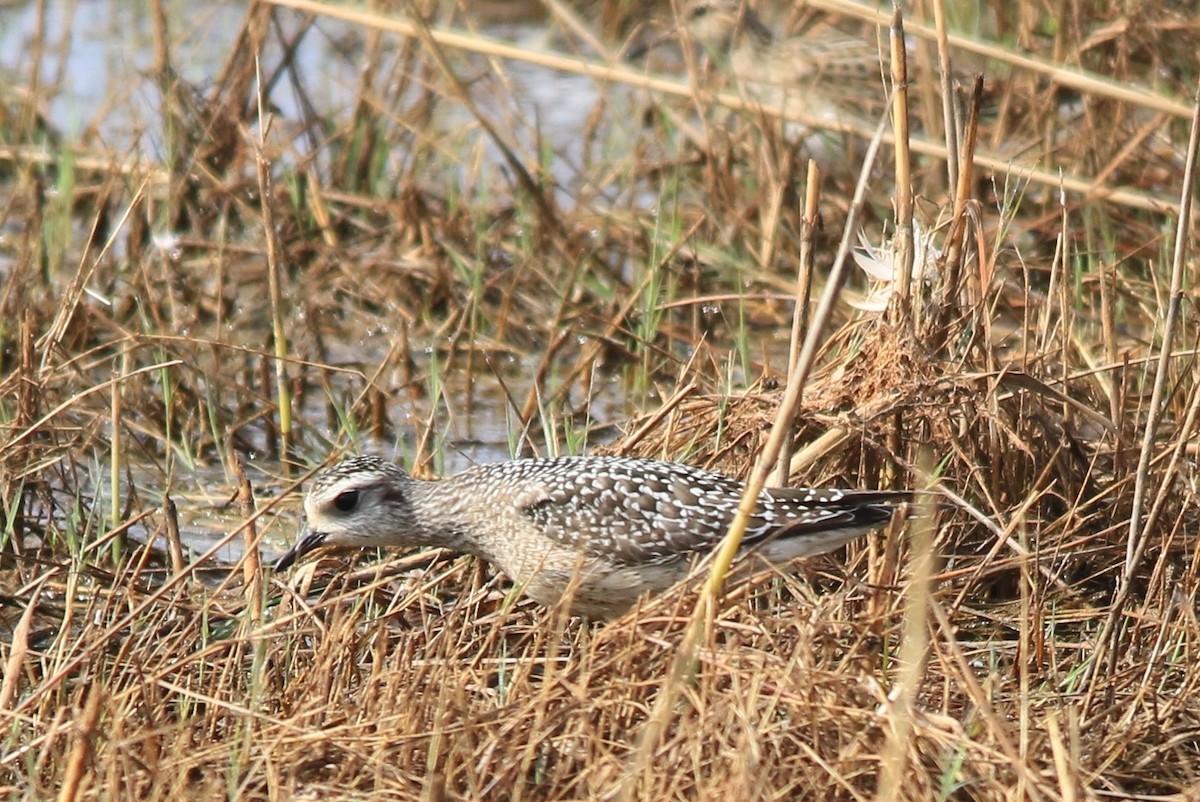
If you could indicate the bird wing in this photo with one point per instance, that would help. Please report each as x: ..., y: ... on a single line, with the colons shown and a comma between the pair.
x: 627, y: 515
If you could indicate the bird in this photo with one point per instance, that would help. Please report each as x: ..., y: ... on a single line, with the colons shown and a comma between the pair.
x: 822, y: 76
x: 610, y: 529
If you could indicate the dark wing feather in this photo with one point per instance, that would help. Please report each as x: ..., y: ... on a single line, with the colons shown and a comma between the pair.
x: 637, y: 511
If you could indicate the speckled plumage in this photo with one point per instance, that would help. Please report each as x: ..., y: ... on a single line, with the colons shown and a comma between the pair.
x: 611, y: 528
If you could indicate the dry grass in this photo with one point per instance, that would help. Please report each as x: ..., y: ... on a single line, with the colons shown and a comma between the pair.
x: 405, y: 284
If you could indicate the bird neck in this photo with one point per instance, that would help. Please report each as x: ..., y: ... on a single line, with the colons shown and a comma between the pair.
x: 446, y: 517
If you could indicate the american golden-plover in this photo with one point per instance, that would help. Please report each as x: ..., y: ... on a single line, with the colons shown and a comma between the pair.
x: 610, y: 528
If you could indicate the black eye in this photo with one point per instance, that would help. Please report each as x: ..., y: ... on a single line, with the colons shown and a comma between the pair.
x: 346, y: 501
x: 699, y: 11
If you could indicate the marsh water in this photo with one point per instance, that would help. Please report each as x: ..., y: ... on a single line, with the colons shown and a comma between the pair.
x: 97, y: 75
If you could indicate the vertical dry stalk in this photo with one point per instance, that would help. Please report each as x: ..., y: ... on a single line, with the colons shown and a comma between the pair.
x: 251, y: 569
x: 771, y: 212
x: 1028, y: 635
x: 120, y: 371
x: 952, y: 262
x: 966, y: 179
x: 945, y: 75
x: 279, y: 335
x: 1136, y: 539
x: 29, y: 111
x: 170, y: 111
x: 1065, y: 764
x: 904, y: 192
x: 1108, y: 328
x: 73, y: 777
x: 905, y: 308
x: 812, y: 199
x: 315, y: 196
x: 162, y: 46
x: 174, y: 542
x: 29, y: 389
x: 913, y: 646
x: 252, y: 578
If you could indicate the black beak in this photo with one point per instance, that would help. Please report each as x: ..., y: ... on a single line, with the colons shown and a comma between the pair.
x: 308, y: 541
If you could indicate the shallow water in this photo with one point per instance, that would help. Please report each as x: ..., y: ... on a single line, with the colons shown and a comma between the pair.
x: 98, y: 62
x: 101, y: 55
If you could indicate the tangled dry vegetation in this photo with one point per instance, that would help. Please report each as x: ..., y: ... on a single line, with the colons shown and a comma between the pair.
x: 192, y: 324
